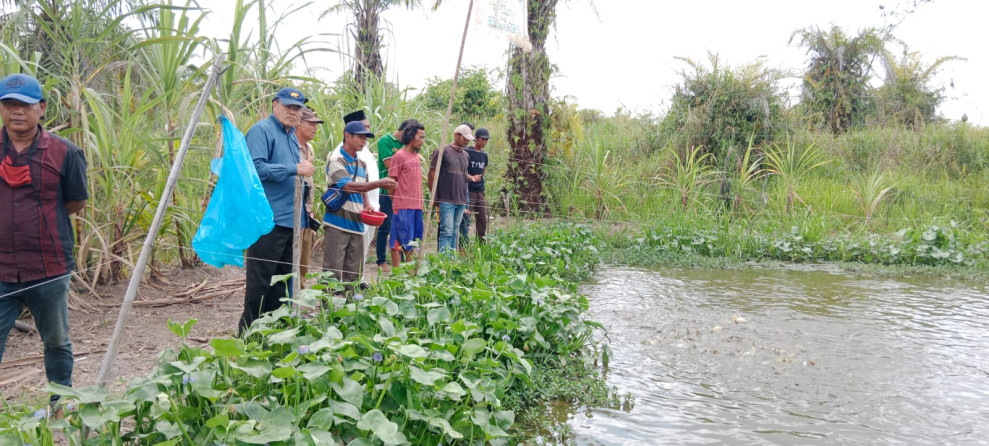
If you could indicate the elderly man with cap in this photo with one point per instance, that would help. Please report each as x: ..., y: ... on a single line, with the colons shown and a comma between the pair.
x: 451, y: 186
x: 42, y: 181
x: 343, y: 242
x: 278, y: 159
x: 306, y: 132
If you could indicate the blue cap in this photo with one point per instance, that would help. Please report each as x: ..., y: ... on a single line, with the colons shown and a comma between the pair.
x: 22, y: 87
x: 291, y: 96
x: 357, y: 128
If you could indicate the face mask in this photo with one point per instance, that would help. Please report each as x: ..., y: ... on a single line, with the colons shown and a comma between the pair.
x: 15, y: 176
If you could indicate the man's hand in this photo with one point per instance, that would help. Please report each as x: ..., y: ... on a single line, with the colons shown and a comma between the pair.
x: 74, y: 206
x: 305, y: 168
x: 388, y: 183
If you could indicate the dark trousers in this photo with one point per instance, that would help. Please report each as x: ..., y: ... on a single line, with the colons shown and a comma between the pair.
x: 269, y: 256
x: 48, y: 301
x: 479, y: 212
x: 478, y: 208
x: 381, y: 245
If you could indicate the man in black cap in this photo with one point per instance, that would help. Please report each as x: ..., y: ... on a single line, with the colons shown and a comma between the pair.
x: 278, y: 159
x: 477, y: 205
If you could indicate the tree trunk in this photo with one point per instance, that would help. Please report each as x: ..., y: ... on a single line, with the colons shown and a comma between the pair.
x: 528, y: 112
x: 367, y: 45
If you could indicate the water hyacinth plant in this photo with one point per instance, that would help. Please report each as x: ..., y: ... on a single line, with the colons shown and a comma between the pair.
x: 428, y: 359
x: 934, y: 243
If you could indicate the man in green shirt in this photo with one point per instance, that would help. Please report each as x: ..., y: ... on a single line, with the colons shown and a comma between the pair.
x: 387, y: 146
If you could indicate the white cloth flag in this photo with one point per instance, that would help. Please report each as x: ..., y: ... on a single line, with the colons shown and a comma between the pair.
x: 506, y: 18
x: 371, y: 161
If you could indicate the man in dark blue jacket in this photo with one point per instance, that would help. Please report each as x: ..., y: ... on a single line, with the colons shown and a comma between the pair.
x: 277, y: 158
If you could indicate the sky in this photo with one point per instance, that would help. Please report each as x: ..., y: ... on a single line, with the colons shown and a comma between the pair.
x: 615, y: 54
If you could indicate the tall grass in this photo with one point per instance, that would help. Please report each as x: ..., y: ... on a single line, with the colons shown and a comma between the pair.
x: 121, y: 94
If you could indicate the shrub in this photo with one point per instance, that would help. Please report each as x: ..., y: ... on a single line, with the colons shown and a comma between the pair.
x: 719, y: 107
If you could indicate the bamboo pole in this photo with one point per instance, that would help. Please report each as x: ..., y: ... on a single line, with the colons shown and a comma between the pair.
x: 163, y: 202
x: 297, y: 240
x: 446, y: 128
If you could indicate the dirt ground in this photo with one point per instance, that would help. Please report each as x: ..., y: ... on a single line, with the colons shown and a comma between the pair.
x: 214, y: 297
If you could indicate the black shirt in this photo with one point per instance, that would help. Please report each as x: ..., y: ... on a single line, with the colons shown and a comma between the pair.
x: 478, y: 162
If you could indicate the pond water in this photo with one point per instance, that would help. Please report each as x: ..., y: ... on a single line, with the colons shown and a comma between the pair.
x: 797, y: 356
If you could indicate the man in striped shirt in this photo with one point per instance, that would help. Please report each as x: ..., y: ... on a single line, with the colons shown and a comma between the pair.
x: 343, y: 245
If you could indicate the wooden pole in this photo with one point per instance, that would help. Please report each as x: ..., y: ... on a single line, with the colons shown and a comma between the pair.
x: 297, y: 239
x: 446, y: 128
x: 149, y: 241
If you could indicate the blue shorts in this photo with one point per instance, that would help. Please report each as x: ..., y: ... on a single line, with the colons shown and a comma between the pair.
x: 406, y: 226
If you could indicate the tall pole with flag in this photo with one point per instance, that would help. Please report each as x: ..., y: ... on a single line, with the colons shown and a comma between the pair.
x: 503, y: 18
x: 446, y: 128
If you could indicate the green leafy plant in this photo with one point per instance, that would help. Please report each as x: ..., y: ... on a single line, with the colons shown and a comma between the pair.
x: 687, y: 173
x: 792, y: 164
x: 603, y: 178
x: 746, y: 172
x: 870, y: 191
x: 432, y: 357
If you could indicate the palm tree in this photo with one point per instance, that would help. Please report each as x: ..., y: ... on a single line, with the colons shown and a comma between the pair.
x: 907, y: 96
x: 836, y: 91
x: 528, y: 98
x: 365, y: 32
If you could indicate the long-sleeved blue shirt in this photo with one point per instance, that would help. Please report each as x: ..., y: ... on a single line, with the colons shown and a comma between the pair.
x: 276, y: 156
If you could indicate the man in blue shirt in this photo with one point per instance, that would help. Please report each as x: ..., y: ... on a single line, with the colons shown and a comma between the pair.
x: 277, y: 158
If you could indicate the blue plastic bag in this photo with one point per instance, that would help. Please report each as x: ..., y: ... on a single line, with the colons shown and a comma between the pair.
x: 238, y: 212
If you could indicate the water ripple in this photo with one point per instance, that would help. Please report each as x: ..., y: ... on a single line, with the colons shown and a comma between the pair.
x: 790, y: 357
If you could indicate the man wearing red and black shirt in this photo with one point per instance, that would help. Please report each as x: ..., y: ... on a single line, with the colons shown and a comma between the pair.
x: 42, y: 181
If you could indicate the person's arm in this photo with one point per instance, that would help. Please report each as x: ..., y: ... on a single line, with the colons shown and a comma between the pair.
x: 74, y: 206
x: 396, y: 171
x: 385, y: 153
x: 432, y: 168
x: 258, y: 144
x: 367, y: 186
x: 339, y: 177
x: 75, y: 189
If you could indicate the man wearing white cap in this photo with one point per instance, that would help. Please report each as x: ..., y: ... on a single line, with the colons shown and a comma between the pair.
x: 451, y: 186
